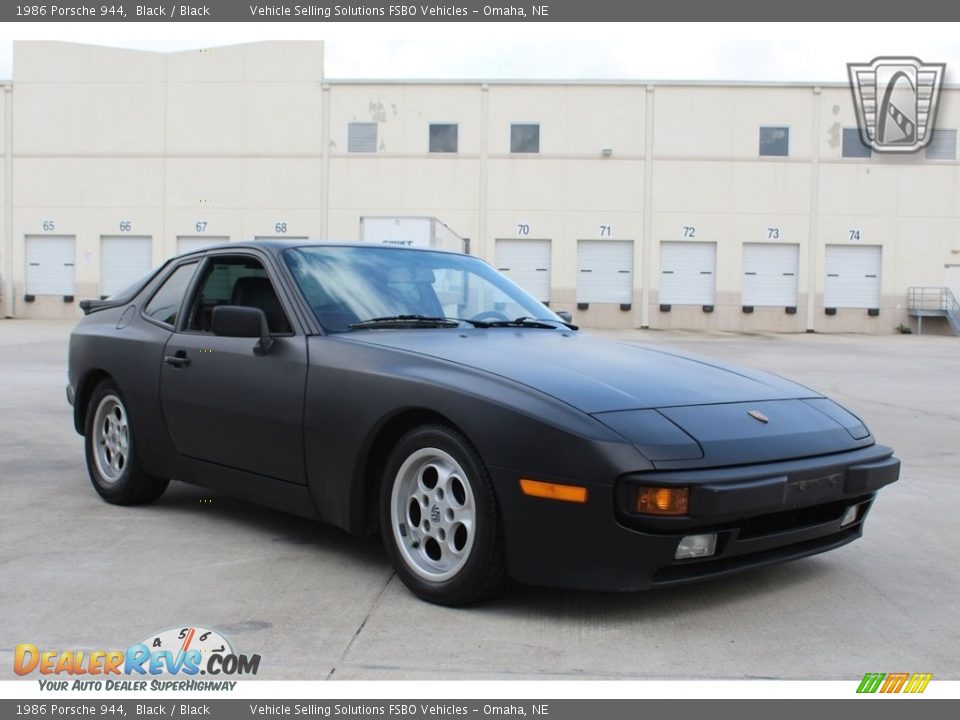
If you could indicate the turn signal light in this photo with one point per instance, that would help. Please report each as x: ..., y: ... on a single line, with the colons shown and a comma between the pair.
x: 553, y: 491
x: 663, y: 500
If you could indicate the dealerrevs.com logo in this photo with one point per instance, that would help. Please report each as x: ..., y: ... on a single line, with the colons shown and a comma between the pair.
x: 187, y: 652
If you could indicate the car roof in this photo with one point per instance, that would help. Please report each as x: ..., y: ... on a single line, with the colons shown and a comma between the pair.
x: 277, y: 245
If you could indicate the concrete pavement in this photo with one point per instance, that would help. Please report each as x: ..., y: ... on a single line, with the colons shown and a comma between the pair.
x: 316, y: 603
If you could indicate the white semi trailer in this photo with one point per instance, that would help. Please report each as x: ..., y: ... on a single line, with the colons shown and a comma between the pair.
x: 419, y: 232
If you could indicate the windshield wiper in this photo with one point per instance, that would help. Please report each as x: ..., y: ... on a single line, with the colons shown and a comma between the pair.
x: 529, y: 322
x: 414, y: 321
x: 425, y: 321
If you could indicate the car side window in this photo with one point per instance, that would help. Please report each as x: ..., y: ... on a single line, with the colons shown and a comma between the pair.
x: 236, y: 280
x: 165, y: 304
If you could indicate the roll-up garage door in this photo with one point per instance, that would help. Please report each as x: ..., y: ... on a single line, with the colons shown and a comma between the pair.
x: 605, y: 271
x: 189, y: 243
x: 770, y: 274
x: 51, y: 264
x: 853, y: 276
x: 123, y: 260
x: 527, y: 263
x: 953, y: 280
x: 688, y: 273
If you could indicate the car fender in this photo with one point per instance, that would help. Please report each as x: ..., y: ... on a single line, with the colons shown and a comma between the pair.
x: 510, y: 425
x: 131, y: 356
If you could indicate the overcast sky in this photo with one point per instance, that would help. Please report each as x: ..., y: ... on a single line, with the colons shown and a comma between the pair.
x: 709, y: 51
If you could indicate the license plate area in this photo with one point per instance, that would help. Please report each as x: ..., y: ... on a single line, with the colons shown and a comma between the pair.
x: 804, y: 491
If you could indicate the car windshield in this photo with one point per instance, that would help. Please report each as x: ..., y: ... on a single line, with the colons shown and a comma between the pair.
x: 367, y: 287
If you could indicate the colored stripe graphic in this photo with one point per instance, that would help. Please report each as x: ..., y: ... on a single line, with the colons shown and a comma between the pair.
x: 870, y: 682
x: 894, y: 682
x: 918, y: 682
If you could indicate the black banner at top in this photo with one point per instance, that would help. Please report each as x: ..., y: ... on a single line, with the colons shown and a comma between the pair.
x: 476, y: 10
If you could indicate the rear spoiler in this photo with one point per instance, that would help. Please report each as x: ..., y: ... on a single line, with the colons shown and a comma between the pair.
x: 92, y: 306
x: 121, y: 297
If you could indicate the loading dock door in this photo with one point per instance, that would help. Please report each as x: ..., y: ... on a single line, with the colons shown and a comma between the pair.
x: 953, y: 280
x: 770, y: 274
x: 853, y: 276
x: 189, y: 243
x: 605, y: 271
x: 527, y: 263
x: 51, y: 264
x: 123, y: 260
x: 688, y: 273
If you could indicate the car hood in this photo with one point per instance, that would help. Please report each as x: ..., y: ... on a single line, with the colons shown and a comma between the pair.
x: 678, y: 410
x: 589, y: 373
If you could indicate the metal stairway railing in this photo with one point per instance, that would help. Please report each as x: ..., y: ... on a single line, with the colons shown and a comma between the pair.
x: 953, y: 310
x: 934, y: 302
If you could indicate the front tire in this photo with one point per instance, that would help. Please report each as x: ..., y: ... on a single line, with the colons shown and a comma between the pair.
x: 111, y: 451
x: 439, y: 518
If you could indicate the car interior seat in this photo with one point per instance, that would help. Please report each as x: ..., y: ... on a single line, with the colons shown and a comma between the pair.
x: 259, y: 293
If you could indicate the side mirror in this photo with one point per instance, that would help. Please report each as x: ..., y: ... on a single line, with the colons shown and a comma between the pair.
x: 565, y: 315
x: 244, y: 322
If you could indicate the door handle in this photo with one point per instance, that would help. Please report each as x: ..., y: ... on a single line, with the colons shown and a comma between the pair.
x: 179, y: 359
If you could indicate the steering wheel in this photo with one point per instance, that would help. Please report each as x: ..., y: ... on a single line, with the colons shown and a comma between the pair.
x: 488, y: 315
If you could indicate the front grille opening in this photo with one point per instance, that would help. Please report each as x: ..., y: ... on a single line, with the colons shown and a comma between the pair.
x: 793, y: 519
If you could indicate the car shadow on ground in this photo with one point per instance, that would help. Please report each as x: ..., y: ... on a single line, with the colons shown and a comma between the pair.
x: 515, y: 599
x: 278, y: 526
x: 716, y: 594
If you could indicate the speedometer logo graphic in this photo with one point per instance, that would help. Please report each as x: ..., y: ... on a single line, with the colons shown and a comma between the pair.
x: 183, y: 640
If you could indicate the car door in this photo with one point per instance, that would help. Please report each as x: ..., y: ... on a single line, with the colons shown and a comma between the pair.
x: 222, y: 402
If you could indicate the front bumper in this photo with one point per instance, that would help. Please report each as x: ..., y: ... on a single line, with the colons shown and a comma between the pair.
x: 762, y: 514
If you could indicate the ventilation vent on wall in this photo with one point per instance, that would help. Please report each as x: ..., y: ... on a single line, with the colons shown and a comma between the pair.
x: 943, y: 145
x: 362, y: 137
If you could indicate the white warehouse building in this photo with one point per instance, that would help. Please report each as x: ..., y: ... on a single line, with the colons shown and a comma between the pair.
x: 722, y: 206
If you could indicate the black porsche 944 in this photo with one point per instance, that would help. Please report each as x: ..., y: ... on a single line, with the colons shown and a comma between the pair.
x: 422, y: 395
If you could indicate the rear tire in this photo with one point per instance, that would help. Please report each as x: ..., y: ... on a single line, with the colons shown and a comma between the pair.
x: 439, y: 518
x: 111, y: 451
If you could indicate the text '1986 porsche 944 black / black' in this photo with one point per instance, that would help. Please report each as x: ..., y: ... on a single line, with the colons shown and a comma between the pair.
x: 423, y: 395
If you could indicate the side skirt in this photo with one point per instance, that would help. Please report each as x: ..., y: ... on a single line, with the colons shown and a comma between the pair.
x: 277, y: 494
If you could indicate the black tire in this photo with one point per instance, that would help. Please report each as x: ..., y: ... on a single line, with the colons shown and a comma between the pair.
x: 121, y: 480
x: 478, y: 569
